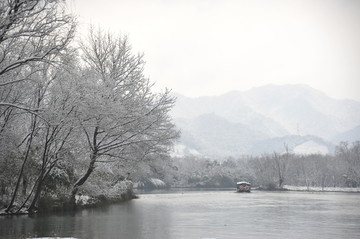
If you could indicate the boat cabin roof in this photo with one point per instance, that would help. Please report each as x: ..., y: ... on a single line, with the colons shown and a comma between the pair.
x: 247, y: 183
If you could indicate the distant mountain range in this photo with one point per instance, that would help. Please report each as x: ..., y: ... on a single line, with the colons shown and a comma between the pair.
x: 263, y: 120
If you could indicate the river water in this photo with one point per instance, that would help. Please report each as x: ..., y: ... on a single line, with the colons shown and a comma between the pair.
x: 203, y: 214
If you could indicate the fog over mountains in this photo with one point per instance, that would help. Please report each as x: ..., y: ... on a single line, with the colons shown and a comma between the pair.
x: 262, y: 120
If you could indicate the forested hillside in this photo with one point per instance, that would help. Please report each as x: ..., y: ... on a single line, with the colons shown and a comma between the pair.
x: 261, y: 120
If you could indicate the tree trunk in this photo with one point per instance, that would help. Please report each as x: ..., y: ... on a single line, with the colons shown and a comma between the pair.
x: 2, y: 188
x: 28, y: 197
x: 280, y: 182
x: 83, y: 179
x: 37, y: 192
x: 22, y: 167
x: 44, y: 173
x: 24, y: 185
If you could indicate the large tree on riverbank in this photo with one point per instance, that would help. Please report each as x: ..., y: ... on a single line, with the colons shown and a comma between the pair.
x: 121, y: 119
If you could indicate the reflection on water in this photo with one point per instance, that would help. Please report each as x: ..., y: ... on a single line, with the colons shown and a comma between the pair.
x: 205, y: 214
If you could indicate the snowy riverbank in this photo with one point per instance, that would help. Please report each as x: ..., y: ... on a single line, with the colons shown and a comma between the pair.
x: 122, y: 191
x: 51, y: 238
x: 320, y: 189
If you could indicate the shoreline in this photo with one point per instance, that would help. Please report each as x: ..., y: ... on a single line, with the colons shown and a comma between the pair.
x: 82, y: 202
x: 320, y: 189
x: 284, y: 188
x: 86, y: 202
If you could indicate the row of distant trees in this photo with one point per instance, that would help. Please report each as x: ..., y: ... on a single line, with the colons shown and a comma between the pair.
x: 70, y: 109
x: 270, y: 171
x: 339, y: 170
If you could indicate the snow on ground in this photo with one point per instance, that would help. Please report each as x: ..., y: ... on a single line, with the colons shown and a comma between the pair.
x: 157, y: 182
x: 22, y: 211
x: 52, y: 238
x: 82, y: 199
x: 181, y: 150
x: 311, y: 147
x: 320, y: 189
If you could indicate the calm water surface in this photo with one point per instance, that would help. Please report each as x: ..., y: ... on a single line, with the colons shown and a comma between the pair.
x: 204, y: 214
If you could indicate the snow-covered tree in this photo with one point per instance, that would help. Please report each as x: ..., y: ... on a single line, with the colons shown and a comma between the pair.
x: 49, y: 131
x: 350, y: 155
x: 33, y: 36
x: 121, y: 118
x: 31, y: 32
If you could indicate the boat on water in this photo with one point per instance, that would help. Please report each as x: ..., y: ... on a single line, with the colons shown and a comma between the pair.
x: 243, y: 187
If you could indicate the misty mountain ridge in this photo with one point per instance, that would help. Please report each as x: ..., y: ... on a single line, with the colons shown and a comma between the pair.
x: 262, y: 120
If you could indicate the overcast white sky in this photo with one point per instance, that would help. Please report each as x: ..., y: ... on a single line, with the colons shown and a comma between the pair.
x: 210, y: 47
